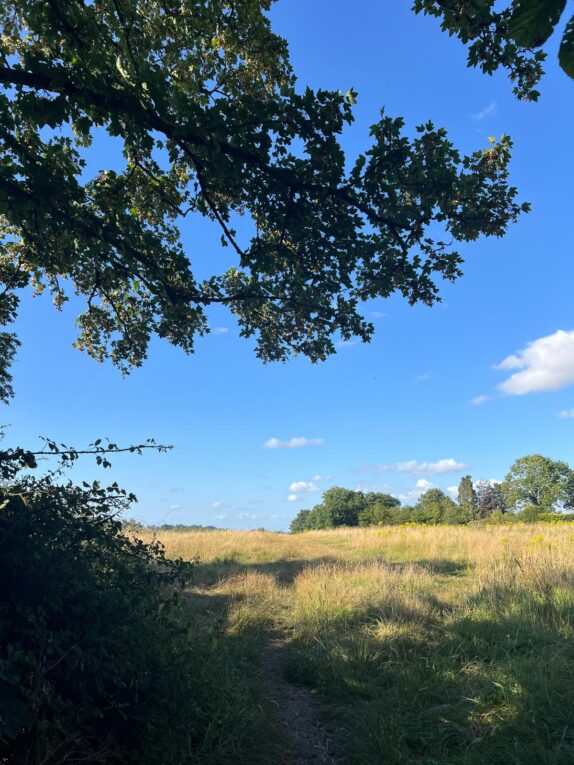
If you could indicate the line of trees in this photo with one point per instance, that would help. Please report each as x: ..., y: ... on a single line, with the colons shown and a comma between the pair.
x: 536, y: 488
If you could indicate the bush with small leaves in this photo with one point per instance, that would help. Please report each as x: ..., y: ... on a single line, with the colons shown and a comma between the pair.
x: 95, y: 661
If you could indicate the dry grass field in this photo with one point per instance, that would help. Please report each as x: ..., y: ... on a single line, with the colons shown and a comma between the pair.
x: 385, y: 645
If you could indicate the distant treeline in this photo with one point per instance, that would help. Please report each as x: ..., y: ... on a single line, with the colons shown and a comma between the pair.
x: 535, y: 489
x: 131, y: 523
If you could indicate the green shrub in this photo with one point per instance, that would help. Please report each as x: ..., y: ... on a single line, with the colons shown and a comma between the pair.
x: 497, y: 518
x: 95, y: 661
x: 535, y: 514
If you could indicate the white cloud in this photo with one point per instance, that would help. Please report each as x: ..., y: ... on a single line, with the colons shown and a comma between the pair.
x: 174, y: 507
x: 545, y: 364
x: 220, y: 517
x: 303, y: 486
x: 217, y: 504
x: 566, y: 414
x: 420, y: 487
x: 488, y: 111
x: 413, y: 467
x: 220, y: 330
x: 423, y: 378
x: 378, y: 314
x: 479, y: 400
x: 298, y: 486
x: 292, y: 443
x: 453, y: 491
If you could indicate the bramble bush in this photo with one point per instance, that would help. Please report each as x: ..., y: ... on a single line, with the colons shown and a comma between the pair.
x: 95, y: 660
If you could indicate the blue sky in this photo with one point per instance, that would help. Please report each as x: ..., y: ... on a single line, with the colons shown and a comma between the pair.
x: 420, y: 405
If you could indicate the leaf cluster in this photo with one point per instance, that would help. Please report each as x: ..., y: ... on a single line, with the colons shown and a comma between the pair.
x: 202, y: 101
x: 509, y: 37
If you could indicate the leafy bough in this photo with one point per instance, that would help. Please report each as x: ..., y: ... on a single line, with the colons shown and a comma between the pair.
x: 204, y: 104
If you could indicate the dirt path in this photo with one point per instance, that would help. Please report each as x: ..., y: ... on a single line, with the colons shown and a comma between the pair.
x: 309, y: 742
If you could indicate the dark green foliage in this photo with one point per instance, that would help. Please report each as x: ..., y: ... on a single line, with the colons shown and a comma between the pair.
x: 533, y: 21
x: 95, y: 661
x: 344, y: 507
x: 386, y: 509
x: 467, y: 496
x: 539, y: 481
x: 203, y: 101
x: 340, y: 507
x: 507, y: 37
x: 302, y: 522
x: 435, y: 507
x: 13, y: 279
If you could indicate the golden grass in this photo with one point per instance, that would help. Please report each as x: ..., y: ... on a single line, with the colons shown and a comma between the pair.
x: 447, y: 640
x: 350, y: 570
x: 478, y: 546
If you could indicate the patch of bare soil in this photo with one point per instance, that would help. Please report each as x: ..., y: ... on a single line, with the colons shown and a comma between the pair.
x: 308, y: 742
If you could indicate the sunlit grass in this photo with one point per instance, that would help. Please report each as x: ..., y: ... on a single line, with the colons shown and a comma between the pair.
x: 426, y: 644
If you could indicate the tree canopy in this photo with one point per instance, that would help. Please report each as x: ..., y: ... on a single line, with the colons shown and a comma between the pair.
x: 202, y: 100
x: 467, y: 496
x: 510, y: 37
x: 345, y: 507
x: 434, y: 506
x: 539, y: 482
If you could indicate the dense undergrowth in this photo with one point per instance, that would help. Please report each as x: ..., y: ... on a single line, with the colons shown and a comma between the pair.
x: 93, y: 646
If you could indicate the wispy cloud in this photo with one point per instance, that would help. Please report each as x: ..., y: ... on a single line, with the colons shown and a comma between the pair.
x: 566, y: 414
x: 250, y: 516
x: 413, y: 467
x: 293, y: 497
x: 378, y: 314
x: 346, y: 343
x: 367, y: 486
x: 545, y: 364
x: 292, y: 443
x: 424, y: 377
x: 479, y: 400
x: 488, y: 111
x: 220, y: 330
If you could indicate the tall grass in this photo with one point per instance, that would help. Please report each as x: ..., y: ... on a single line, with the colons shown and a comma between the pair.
x: 426, y: 644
